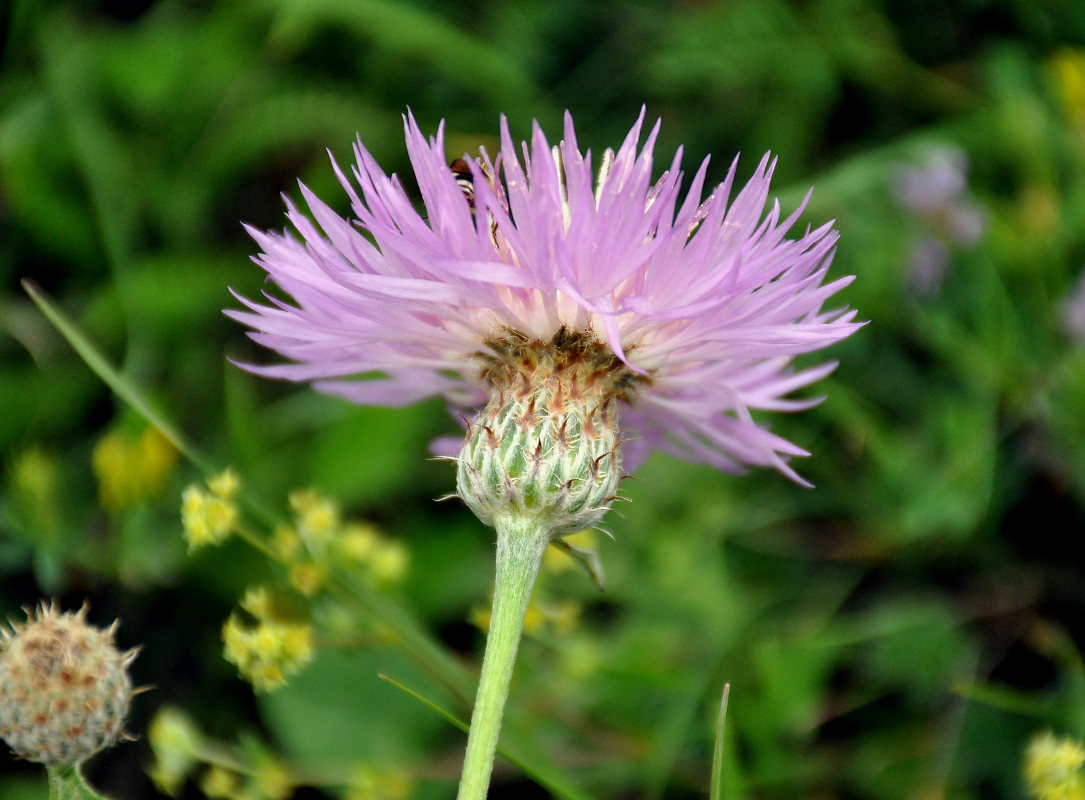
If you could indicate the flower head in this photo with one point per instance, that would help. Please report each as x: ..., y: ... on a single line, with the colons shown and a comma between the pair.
x: 936, y: 193
x: 64, y: 686
x: 1072, y: 312
x: 693, y: 307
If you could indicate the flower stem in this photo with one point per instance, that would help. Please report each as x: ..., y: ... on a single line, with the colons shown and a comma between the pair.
x: 66, y: 783
x: 520, y: 545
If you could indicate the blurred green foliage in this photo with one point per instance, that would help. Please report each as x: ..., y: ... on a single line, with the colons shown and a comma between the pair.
x: 898, y: 632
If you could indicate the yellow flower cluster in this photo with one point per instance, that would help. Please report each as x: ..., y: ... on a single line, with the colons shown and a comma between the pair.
x: 270, y: 650
x: 316, y: 517
x: 229, y: 772
x: 131, y: 469
x: 559, y: 616
x: 35, y: 476
x: 34, y: 487
x: 176, y: 742
x: 370, y: 783
x: 1053, y: 768
x: 1068, y: 70
x: 270, y: 781
x: 385, y: 560
x: 319, y: 541
x: 210, y: 515
x: 219, y: 782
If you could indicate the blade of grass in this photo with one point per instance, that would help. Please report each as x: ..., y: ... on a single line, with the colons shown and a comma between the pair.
x: 546, y: 777
x: 716, y: 791
x: 111, y: 377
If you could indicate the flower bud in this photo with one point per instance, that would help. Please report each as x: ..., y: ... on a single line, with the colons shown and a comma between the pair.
x: 547, y: 445
x: 64, y: 687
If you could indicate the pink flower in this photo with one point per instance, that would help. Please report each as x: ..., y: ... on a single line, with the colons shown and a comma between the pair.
x: 705, y: 301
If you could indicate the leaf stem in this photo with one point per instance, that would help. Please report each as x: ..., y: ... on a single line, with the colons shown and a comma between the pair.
x: 520, y: 546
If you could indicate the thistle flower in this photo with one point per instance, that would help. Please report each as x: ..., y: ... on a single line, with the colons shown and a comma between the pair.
x: 575, y: 312
x: 678, y: 317
x: 936, y: 193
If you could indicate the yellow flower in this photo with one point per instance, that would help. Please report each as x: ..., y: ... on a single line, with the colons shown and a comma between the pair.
x: 389, y: 561
x: 1053, y: 768
x: 358, y: 542
x: 34, y: 476
x: 209, y: 517
x: 221, y: 514
x: 317, y: 518
x: 226, y: 484
x: 371, y: 783
x: 258, y: 602
x: 268, y: 653
x: 175, y: 740
x: 35, y: 490
x: 384, y: 560
x: 1068, y: 70
x: 534, y: 619
x: 563, y: 616
x: 130, y: 470
x: 286, y: 542
x: 272, y: 780
x: 307, y: 577
x: 219, y: 782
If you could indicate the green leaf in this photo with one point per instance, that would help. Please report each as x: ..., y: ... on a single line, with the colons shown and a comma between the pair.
x: 337, y: 710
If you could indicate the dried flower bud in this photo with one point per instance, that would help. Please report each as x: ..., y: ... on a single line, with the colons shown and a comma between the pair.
x: 64, y: 687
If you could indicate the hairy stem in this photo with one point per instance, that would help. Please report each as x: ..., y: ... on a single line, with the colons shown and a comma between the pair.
x: 66, y: 783
x: 520, y: 546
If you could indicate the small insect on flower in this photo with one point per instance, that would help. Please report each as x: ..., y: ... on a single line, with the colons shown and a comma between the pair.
x: 465, y: 180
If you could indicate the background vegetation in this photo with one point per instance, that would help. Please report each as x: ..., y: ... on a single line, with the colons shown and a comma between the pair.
x: 901, y: 631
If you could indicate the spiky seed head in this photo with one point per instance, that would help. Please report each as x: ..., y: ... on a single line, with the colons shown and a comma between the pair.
x: 64, y: 686
x: 547, y: 444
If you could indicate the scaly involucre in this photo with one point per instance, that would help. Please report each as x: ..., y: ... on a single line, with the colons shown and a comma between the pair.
x: 706, y: 301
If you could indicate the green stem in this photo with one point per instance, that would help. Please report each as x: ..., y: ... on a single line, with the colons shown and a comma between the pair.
x: 66, y: 783
x: 520, y: 546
